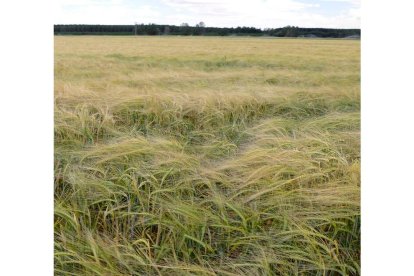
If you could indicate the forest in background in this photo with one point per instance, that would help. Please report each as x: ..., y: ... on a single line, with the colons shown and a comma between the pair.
x: 202, y: 29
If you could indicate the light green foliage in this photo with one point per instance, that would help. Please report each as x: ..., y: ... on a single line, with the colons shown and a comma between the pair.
x: 206, y: 156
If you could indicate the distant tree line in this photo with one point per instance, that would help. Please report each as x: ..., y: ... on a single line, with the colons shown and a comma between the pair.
x: 200, y: 29
x: 291, y: 31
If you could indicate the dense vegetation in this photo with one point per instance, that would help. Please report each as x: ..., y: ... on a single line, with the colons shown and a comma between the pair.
x: 200, y: 29
x: 206, y: 156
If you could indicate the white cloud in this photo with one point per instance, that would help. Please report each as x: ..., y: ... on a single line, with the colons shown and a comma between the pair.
x: 353, y: 2
x: 258, y: 13
x: 105, y: 12
x: 79, y: 3
x: 237, y: 7
x: 224, y: 13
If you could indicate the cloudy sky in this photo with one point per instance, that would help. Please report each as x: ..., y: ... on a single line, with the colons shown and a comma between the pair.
x: 215, y: 13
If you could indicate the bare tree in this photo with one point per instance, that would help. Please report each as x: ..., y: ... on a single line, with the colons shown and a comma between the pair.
x: 201, y: 28
x: 166, y: 30
x: 185, y: 29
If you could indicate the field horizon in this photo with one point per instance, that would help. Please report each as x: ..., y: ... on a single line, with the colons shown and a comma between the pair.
x: 206, y: 156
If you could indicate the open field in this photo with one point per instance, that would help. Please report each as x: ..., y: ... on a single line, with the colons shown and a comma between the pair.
x: 207, y: 156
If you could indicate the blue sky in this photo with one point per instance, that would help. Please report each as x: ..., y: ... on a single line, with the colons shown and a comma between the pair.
x: 216, y: 13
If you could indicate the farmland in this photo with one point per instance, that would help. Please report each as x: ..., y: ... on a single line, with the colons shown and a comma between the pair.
x: 206, y: 156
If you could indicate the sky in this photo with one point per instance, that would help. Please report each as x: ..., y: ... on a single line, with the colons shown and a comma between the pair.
x: 214, y: 13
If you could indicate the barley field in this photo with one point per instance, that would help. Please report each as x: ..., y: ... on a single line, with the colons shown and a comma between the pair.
x: 206, y: 156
